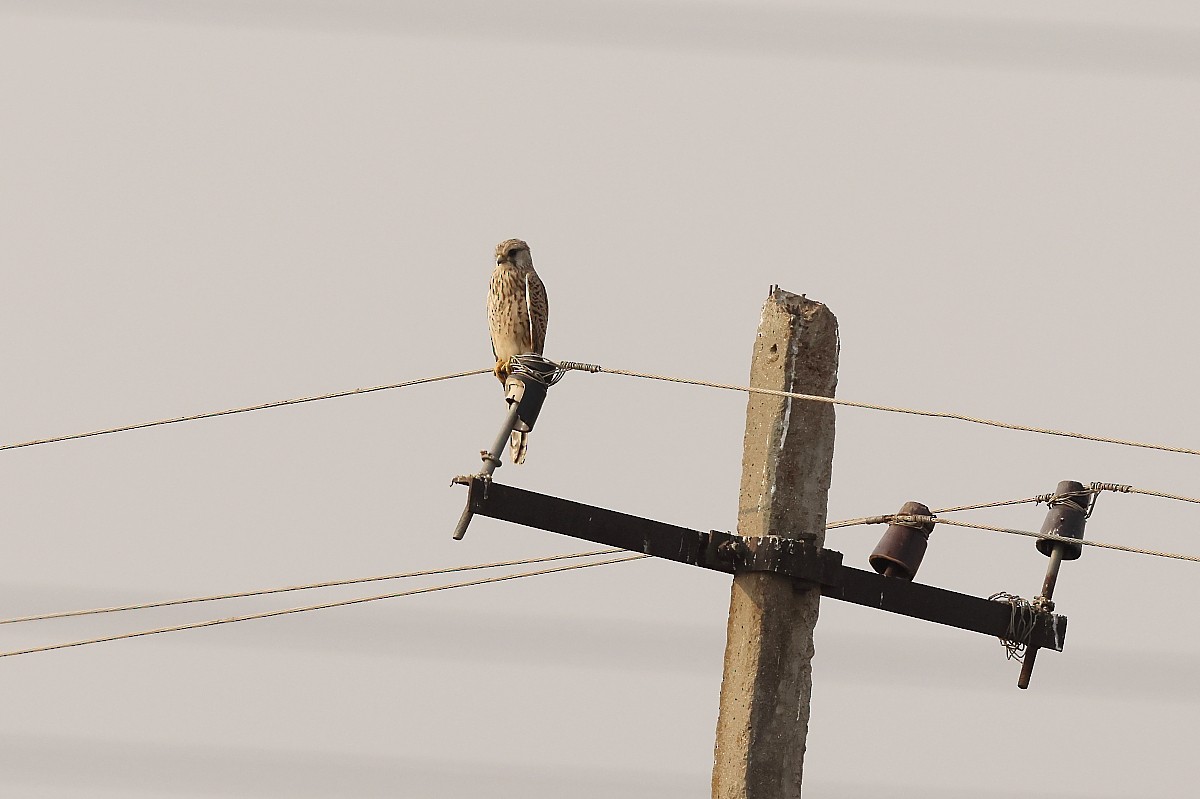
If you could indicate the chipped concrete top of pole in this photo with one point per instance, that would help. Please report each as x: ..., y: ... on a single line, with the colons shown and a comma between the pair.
x: 796, y: 350
x: 798, y: 304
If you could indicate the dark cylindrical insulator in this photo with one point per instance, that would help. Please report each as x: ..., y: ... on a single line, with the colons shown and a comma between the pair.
x: 530, y: 393
x: 1066, y: 517
x: 902, y: 547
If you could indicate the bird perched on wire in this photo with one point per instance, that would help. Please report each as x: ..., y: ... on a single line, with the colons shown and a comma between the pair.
x: 517, y: 315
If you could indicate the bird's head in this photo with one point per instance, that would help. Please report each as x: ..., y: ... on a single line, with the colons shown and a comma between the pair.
x: 515, y: 252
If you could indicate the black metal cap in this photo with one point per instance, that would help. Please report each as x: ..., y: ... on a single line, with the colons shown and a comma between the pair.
x: 532, y: 395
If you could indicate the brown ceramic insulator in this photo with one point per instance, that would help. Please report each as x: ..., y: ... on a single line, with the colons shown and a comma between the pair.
x: 902, y: 547
x: 1066, y: 519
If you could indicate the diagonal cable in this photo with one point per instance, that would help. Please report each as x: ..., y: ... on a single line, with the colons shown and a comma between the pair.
x: 327, y: 584
x: 1049, y: 537
x: 586, y: 367
x: 905, y: 518
x: 322, y: 606
x: 1126, y: 489
x: 880, y: 517
x: 593, y: 368
x: 246, y: 409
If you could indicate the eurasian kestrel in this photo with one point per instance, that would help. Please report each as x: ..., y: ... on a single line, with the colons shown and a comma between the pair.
x: 517, y: 315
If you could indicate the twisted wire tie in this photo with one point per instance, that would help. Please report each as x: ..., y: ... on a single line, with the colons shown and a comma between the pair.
x: 1021, y: 622
x: 536, y: 367
x: 575, y: 366
x: 1118, y: 487
x: 1053, y: 500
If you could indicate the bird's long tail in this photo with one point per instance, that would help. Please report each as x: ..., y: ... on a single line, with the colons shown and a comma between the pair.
x: 518, y: 443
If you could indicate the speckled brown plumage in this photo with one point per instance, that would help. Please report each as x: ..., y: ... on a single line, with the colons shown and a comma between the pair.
x: 517, y: 315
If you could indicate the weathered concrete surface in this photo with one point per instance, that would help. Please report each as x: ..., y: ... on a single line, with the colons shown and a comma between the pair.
x: 786, y: 470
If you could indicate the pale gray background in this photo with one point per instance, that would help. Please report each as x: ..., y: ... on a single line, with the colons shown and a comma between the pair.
x: 208, y: 204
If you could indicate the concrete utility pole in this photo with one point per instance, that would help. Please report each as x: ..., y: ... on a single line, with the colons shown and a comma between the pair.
x: 787, y: 464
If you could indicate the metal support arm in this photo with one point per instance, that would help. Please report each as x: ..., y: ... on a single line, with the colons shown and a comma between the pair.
x: 727, y: 552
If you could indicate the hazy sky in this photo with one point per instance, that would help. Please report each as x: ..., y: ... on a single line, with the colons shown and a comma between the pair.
x: 212, y: 204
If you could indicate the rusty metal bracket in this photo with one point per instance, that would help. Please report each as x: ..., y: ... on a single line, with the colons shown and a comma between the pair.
x: 799, y: 559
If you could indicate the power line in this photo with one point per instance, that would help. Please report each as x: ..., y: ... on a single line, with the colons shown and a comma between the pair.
x: 875, y: 519
x: 586, y: 367
x: 246, y: 409
x: 1094, y: 488
x: 327, y: 584
x: 887, y: 408
x: 1023, y: 501
x: 1059, y: 538
x: 323, y: 606
x: 1124, y: 489
x: 914, y: 519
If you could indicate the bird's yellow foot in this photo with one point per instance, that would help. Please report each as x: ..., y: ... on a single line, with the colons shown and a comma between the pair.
x: 501, y: 370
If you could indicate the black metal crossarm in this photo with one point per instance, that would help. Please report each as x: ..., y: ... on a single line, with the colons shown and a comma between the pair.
x: 798, y: 558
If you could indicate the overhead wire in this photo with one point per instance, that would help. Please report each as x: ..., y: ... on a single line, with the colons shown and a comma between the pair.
x: 882, y: 517
x: 1094, y: 488
x: 245, y: 409
x: 907, y: 518
x: 886, y: 408
x: 1023, y: 501
x: 594, y: 368
x: 321, y: 606
x: 1124, y: 489
x: 1037, y: 499
x: 914, y: 519
x: 326, y: 584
